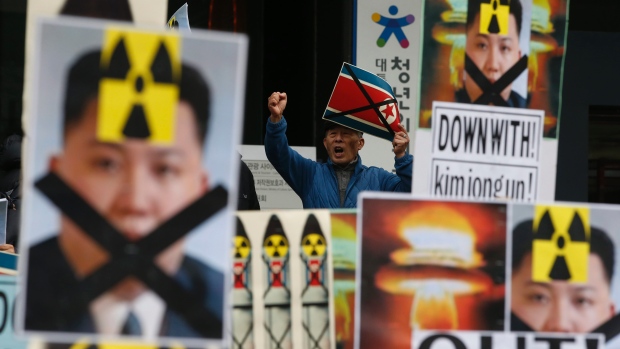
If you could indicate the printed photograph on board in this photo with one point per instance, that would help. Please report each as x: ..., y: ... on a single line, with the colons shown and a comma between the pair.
x: 283, y: 280
x: 428, y: 265
x: 494, y: 52
x: 564, y: 269
x: 344, y: 240
x: 130, y: 186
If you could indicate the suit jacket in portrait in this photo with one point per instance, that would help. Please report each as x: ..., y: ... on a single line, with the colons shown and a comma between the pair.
x: 53, y: 289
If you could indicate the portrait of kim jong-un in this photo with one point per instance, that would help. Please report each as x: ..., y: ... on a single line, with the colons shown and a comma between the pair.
x: 131, y: 182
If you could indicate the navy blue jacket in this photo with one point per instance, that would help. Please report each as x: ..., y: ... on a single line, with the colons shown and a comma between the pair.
x: 316, y: 183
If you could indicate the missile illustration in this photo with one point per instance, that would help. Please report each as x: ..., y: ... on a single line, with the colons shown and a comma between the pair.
x: 242, y: 321
x: 315, y: 293
x: 277, y: 295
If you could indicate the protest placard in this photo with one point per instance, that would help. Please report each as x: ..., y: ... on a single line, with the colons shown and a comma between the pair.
x: 486, y: 153
x: 461, y: 60
x: 462, y: 274
x: 363, y: 101
x: 132, y: 192
x: 565, y: 251
x: 499, y: 54
x: 283, y: 280
x: 8, y: 294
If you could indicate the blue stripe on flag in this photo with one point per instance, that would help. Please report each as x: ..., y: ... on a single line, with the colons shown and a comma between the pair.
x: 369, y: 78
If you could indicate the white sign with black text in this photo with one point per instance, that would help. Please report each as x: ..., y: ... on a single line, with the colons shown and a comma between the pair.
x: 484, y: 153
x: 271, y: 189
x: 505, y: 340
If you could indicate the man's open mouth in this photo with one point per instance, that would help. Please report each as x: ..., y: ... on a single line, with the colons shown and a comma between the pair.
x: 338, y: 150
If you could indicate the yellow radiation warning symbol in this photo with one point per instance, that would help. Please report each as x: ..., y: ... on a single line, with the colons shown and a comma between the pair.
x: 313, y: 245
x: 494, y: 18
x: 138, y: 90
x: 171, y: 21
x: 561, y: 244
x: 242, y: 247
x: 276, y: 246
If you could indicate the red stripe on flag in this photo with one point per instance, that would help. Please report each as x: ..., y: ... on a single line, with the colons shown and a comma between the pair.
x: 347, y: 96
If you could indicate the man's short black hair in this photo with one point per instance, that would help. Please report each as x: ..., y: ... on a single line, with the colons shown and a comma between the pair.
x: 83, y: 86
x: 600, y: 245
x: 328, y: 125
x: 106, y: 9
x: 516, y: 9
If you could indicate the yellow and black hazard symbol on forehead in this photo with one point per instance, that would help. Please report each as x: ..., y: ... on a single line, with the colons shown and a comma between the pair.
x: 494, y: 17
x: 139, y: 87
x: 561, y: 244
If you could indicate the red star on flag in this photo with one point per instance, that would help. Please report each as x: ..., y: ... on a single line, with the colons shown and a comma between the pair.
x: 389, y: 110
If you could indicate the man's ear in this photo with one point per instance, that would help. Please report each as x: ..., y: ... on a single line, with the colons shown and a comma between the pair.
x: 325, y: 143
x: 361, y: 144
x: 204, y: 182
x: 612, y: 308
x: 54, y: 163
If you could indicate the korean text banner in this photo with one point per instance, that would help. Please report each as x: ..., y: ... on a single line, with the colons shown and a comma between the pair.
x: 386, y: 42
x: 494, y: 52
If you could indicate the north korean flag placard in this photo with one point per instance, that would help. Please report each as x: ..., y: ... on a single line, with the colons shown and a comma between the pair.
x: 363, y: 101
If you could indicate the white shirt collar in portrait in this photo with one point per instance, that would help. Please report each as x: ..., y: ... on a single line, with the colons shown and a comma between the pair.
x: 110, y: 313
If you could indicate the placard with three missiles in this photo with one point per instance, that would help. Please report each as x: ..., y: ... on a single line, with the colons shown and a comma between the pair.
x: 282, y: 280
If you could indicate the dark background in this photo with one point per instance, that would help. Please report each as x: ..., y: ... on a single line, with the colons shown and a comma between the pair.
x: 299, y: 46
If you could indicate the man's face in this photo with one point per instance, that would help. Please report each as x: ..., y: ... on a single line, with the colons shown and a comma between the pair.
x: 134, y: 185
x: 342, y: 144
x: 493, y: 54
x: 559, y: 306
